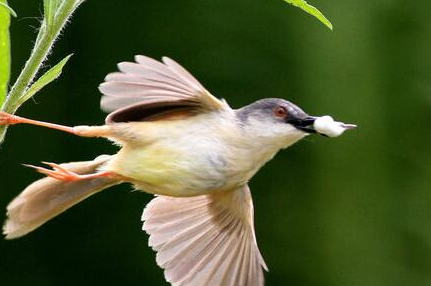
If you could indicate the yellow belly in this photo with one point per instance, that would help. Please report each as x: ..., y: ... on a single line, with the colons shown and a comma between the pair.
x: 187, y: 157
x: 169, y: 169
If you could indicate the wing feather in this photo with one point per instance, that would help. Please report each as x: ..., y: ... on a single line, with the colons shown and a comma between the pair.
x: 234, y: 261
x: 167, y: 77
x: 129, y: 89
x: 205, y: 240
x: 183, y: 73
x: 143, y: 82
x: 148, y: 83
x: 204, y: 271
x: 188, y: 271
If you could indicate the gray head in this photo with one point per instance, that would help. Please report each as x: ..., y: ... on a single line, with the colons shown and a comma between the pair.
x: 279, y: 120
x: 278, y: 111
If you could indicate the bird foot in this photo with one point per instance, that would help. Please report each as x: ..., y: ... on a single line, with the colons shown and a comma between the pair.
x: 8, y: 119
x: 62, y: 174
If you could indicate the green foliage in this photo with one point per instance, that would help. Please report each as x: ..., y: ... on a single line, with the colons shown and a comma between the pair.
x: 3, y: 4
x: 5, y: 12
x: 310, y: 10
x: 48, y: 77
x: 56, y: 14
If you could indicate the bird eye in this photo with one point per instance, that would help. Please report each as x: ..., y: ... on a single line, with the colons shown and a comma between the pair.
x: 280, y: 111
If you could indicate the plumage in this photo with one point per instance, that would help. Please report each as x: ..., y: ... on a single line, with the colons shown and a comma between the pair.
x: 154, y: 82
x: 205, y: 240
x: 48, y: 197
x: 190, y: 149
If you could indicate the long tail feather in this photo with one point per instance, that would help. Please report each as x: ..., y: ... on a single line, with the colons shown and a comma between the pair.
x: 48, y: 197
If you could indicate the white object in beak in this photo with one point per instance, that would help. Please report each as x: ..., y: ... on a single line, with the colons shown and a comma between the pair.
x: 327, y: 126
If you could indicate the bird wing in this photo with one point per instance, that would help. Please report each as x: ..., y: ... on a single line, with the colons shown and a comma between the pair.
x: 148, y: 86
x: 206, y: 240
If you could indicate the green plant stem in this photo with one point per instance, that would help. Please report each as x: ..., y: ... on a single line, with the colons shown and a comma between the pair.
x: 4, y: 50
x: 45, y: 40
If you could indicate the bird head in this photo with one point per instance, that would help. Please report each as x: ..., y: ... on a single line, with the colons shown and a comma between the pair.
x: 281, y: 123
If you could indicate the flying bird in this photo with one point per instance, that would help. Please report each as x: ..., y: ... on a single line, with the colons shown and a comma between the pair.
x: 193, y: 152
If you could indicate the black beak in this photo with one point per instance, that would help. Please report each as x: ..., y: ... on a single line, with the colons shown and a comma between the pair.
x: 303, y: 123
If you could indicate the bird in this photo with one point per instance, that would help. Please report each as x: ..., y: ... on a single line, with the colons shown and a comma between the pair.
x: 189, y: 149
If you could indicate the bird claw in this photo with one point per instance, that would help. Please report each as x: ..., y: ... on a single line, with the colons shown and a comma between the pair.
x: 58, y: 172
x: 8, y: 119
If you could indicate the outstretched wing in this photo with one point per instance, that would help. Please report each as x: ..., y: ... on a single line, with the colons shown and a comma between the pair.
x: 147, y: 85
x: 206, y: 240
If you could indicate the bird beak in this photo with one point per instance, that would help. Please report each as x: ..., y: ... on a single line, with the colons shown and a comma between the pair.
x: 305, y: 124
x: 323, y: 125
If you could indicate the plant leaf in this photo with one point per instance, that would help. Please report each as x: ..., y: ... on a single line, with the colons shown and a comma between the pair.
x: 4, y: 50
x: 7, y: 7
x: 48, y: 77
x: 310, y: 10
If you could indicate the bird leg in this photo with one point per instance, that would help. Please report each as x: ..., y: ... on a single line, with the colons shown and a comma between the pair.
x: 60, y: 173
x: 84, y: 131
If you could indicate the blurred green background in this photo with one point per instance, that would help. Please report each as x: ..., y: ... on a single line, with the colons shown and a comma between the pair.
x: 354, y: 210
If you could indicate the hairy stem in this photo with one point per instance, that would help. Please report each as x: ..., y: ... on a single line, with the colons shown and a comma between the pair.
x: 44, y: 42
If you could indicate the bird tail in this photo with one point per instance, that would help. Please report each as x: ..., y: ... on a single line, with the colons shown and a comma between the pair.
x: 48, y: 197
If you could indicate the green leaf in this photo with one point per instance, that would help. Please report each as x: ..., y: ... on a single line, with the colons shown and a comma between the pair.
x: 7, y: 7
x: 48, y: 77
x: 310, y: 10
x: 4, y: 50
